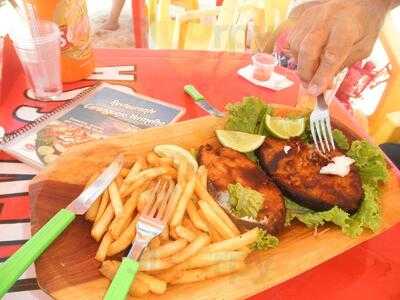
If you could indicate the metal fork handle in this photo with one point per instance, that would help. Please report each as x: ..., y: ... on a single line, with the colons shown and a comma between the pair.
x: 137, y: 248
x: 321, y: 103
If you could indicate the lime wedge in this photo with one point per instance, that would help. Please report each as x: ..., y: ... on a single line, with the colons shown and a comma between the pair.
x: 239, y: 141
x: 284, y: 128
x: 174, y: 151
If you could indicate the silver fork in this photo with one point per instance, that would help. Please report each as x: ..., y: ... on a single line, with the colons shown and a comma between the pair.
x: 151, y: 223
x: 320, y: 121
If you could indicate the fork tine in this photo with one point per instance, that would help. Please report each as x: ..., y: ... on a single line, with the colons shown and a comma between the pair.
x: 161, y: 212
x: 314, y: 135
x: 151, y: 199
x: 330, y: 135
x: 323, y: 129
x: 159, y: 199
x: 318, y: 126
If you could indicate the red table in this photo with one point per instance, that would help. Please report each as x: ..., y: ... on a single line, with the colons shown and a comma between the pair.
x: 369, y: 271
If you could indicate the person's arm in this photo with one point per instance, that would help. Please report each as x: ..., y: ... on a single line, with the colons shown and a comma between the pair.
x: 332, y: 34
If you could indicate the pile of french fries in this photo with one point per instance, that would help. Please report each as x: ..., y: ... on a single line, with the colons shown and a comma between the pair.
x: 200, y: 241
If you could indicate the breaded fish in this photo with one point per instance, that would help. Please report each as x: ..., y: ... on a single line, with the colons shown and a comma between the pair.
x: 226, y: 166
x: 297, y: 172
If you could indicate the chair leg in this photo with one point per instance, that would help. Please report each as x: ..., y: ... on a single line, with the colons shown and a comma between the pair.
x: 139, y: 23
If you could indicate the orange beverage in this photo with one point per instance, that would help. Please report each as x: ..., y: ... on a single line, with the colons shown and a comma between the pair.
x: 77, y: 60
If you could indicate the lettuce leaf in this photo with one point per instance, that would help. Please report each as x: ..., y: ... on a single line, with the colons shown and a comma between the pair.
x: 372, y: 168
x: 368, y: 215
x: 264, y: 241
x: 370, y: 162
x: 245, y: 202
x: 312, y: 218
x: 340, y: 139
x: 247, y: 116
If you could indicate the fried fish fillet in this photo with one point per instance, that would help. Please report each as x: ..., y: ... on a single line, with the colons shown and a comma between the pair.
x: 297, y: 173
x: 226, y: 166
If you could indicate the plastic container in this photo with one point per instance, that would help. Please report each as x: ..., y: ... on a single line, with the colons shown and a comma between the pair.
x: 40, y: 58
x: 263, y: 66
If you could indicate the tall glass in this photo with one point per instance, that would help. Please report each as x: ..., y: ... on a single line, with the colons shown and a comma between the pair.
x: 40, y: 58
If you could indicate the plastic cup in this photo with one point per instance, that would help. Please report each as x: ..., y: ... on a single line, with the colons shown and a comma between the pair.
x: 40, y: 58
x: 263, y: 66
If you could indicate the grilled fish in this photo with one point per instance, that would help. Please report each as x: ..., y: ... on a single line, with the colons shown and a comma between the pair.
x: 297, y: 173
x: 226, y: 166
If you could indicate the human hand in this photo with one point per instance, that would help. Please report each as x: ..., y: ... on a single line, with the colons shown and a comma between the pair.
x: 332, y: 34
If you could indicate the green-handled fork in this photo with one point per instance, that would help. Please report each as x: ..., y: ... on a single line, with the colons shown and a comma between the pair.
x: 13, y: 267
x: 151, y: 223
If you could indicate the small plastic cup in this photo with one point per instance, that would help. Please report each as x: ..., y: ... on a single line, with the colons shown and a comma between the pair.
x: 40, y: 58
x: 263, y: 66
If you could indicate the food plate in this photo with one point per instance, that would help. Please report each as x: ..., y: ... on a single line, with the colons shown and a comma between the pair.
x: 68, y: 270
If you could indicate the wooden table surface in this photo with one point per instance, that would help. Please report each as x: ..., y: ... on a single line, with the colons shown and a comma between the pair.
x: 368, y: 271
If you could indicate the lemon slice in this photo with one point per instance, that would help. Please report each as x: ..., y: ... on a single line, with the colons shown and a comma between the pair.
x: 239, y: 141
x: 284, y: 128
x: 173, y: 151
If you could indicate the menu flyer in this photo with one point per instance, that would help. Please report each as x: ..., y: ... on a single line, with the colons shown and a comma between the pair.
x: 104, y: 112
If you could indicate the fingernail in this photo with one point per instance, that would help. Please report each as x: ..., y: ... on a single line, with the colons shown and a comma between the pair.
x: 314, y: 90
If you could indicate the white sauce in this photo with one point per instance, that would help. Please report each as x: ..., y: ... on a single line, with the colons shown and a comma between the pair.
x: 286, y: 149
x: 340, y: 166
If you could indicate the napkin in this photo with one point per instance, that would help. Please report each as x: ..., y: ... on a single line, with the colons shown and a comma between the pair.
x: 276, y: 82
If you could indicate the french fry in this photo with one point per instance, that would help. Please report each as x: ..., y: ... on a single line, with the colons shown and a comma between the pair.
x: 156, y: 161
x: 183, y: 201
x: 194, y: 216
x: 207, y: 259
x: 137, y: 166
x: 202, y: 173
x: 214, y: 235
x: 213, y: 271
x: 182, y: 171
x: 148, y: 174
x: 173, y: 202
x: 124, y: 240
x: 137, y: 182
x: 214, y: 220
x: 170, y: 171
x: 171, y: 274
x: 154, y: 264
x: 119, y: 180
x: 105, y: 198
x: 192, y: 249
x: 166, y: 250
x: 165, y: 234
x: 155, y: 243
x: 101, y: 226
x: 109, y: 268
x: 185, y: 233
x: 115, y: 198
x: 124, y: 172
x: 138, y: 288
x: 90, y: 215
x: 203, y: 194
x: 120, y: 222
x: 172, y: 233
x: 189, y: 225
x: 155, y: 285
x: 102, y: 250
x: 238, y: 242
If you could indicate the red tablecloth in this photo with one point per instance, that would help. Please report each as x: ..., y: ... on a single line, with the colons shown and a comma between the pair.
x: 369, y: 271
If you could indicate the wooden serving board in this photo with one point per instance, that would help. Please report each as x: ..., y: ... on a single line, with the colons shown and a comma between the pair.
x: 68, y: 270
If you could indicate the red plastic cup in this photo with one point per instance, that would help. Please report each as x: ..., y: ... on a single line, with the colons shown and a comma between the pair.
x: 263, y: 66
